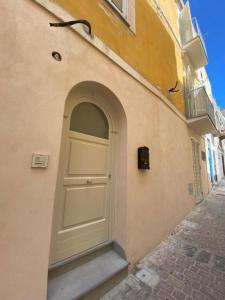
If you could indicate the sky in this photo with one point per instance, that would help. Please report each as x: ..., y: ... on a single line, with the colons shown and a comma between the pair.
x: 211, y: 18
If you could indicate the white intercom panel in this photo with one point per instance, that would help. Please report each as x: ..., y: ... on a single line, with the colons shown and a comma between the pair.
x: 39, y: 161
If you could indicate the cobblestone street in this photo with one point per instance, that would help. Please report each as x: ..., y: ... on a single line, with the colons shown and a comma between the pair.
x: 189, y: 264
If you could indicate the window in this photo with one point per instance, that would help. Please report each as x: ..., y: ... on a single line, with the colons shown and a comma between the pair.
x: 126, y: 9
x: 121, y: 7
x: 87, y: 118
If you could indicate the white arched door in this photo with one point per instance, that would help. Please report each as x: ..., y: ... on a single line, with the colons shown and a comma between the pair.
x: 82, y: 207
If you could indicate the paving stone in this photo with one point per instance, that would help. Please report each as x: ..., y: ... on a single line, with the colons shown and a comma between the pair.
x: 190, y: 250
x: 203, y: 257
x: 179, y: 295
x: 149, y: 277
x: 220, y: 262
x: 209, y: 292
x: 219, y: 288
x: 131, y: 295
x: 133, y: 283
x: 177, y: 283
x: 188, y: 290
x: 198, y: 295
x: 190, y: 264
x: 124, y: 287
x: 145, y: 294
x: 118, y: 296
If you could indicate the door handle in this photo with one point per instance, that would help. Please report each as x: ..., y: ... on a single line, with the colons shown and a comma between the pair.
x: 89, y: 181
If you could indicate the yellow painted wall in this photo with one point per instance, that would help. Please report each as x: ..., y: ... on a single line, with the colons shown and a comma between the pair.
x: 169, y: 7
x: 152, y: 51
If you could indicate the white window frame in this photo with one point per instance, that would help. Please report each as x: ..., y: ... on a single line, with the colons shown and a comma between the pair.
x: 124, y: 12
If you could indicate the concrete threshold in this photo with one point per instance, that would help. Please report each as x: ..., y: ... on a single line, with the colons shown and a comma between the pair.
x: 87, y: 277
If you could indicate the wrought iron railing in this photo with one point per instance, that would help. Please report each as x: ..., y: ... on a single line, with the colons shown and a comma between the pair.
x: 198, y: 104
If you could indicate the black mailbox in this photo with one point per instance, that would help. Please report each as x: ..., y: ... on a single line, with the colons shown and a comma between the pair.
x: 143, y: 158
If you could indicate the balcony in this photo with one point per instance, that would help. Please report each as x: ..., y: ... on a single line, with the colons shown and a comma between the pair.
x: 222, y: 133
x: 221, y: 130
x: 200, y: 112
x: 220, y: 123
x: 193, y: 43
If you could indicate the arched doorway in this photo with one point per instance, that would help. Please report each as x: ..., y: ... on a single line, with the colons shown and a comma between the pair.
x: 84, y: 213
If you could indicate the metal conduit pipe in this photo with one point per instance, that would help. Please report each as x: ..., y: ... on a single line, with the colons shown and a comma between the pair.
x: 70, y: 23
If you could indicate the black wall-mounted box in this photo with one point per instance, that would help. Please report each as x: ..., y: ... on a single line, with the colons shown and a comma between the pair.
x: 143, y: 158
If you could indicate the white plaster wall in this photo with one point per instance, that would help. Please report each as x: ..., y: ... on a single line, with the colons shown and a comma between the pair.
x: 206, y: 137
x: 218, y: 155
x: 213, y: 149
x: 220, y: 165
x: 34, y: 88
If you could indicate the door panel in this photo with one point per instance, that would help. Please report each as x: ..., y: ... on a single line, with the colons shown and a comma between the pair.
x: 84, y: 205
x: 74, y: 241
x: 87, y: 157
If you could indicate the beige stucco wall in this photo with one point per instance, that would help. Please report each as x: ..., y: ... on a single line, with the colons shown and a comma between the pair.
x: 34, y: 88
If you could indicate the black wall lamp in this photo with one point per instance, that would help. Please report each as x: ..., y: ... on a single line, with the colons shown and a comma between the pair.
x: 70, y: 23
x: 173, y: 89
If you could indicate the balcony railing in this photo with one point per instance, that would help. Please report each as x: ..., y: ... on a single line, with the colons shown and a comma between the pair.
x: 197, y: 32
x: 190, y: 31
x: 198, y: 105
x: 193, y: 43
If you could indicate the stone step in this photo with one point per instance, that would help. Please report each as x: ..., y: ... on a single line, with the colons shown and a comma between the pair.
x: 88, y: 278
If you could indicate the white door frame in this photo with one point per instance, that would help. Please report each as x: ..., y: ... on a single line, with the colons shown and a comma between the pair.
x: 70, y: 105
